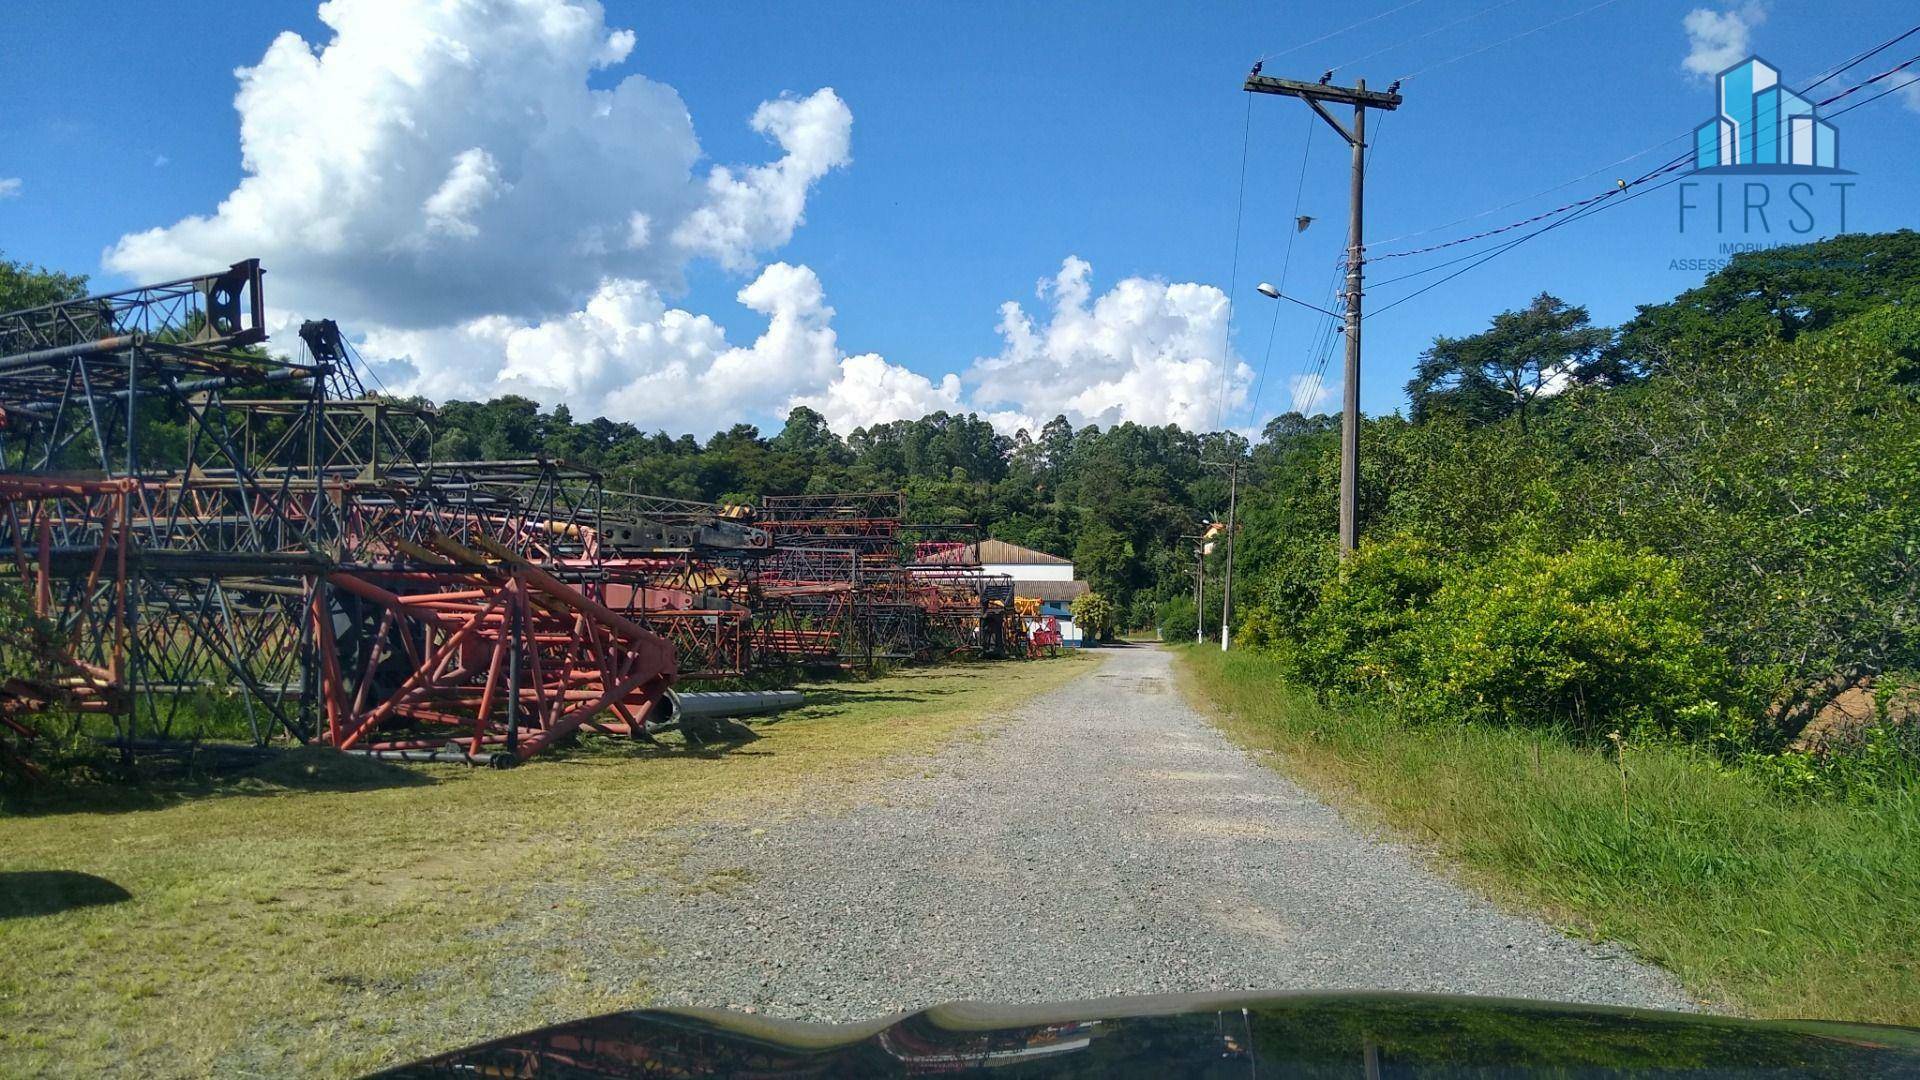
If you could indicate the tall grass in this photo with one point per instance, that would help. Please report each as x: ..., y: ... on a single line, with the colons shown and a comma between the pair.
x: 1778, y: 906
x: 323, y: 915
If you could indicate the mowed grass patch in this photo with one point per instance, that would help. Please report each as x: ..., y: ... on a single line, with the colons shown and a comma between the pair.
x: 1772, y: 905
x: 327, y: 915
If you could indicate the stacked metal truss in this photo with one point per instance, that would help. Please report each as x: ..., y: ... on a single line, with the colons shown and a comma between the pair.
x: 851, y: 583
x: 291, y: 554
x: 289, y: 550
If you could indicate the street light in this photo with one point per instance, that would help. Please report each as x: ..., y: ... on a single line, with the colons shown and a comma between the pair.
x: 1272, y: 292
x: 1350, y: 411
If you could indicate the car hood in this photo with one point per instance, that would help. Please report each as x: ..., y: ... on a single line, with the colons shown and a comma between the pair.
x: 1369, y: 1035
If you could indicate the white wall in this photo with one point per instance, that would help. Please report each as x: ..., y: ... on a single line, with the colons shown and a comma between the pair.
x: 1069, y: 633
x: 1031, y: 572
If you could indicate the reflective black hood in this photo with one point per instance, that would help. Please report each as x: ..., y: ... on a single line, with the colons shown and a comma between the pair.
x: 1332, y: 1035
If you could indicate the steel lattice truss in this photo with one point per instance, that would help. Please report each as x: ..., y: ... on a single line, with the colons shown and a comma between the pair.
x: 204, y: 537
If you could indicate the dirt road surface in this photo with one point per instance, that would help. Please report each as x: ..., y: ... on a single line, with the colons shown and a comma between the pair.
x: 1105, y: 840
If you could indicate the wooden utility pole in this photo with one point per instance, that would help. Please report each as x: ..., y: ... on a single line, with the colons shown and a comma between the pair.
x: 1199, y: 594
x: 1199, y: 585
x: 1316, y: 95
x: 1226, y: 591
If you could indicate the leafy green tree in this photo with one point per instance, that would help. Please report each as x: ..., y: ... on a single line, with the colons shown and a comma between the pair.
x: 1779, y: 293
x: 1595, y: 639
x: 1095, y: 616
x: 24, y: 285
x: 1786, y: 483
x: 1103, y: 557
x: 1175, y: 619
x: 1502, y: 370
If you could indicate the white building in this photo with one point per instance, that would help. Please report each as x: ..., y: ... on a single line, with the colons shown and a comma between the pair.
x: 1036, y: 576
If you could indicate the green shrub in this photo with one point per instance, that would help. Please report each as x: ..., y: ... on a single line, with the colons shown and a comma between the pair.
x: 1094, y: 615
x: 1175, y: 619
x: 27, y: 647
x: 1596, y: 638
x: 1885, y: 760
x: 1355, y: 639
x: 1286, y: 592
x: 1142, y: 613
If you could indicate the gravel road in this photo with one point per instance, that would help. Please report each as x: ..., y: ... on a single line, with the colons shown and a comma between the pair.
x: 1107, y: 840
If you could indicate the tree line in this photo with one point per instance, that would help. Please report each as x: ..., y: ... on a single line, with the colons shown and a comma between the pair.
x: 1687, y: 525
x: 1701, y: 526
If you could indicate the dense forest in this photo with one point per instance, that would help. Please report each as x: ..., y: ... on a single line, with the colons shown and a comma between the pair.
x: 1117, y: 500
x: 1695, y: 525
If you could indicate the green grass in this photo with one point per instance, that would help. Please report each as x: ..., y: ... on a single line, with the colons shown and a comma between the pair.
x: 326, y: 915
x: 1759, y: 903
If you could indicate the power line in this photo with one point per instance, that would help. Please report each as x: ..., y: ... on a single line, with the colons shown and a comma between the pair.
x: 1322, y: 347
x: 1851, y: 90
x: 1483, y: 258
x: 1487, y: 256
x: 1233, y: 278
x: 1286, y: 262
x: 1875, y: 51
x: 1667, y: 167
x: 1674, y: 165
x: 1324, y: 335
x: 1510, y: 40
x: 1894, y: 89
x: 1608, y: 167
x: 1490, y: 9
x: 1336, y: 33
x: 1671, y: 166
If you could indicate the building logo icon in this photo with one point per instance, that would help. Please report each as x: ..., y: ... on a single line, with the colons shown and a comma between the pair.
x: 1763, y: 127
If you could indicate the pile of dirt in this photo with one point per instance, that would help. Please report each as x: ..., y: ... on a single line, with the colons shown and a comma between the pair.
x: 1838, y: 711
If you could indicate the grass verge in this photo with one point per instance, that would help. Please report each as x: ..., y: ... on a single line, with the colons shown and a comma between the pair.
x: 1776, y: 906
x: 327, y: 915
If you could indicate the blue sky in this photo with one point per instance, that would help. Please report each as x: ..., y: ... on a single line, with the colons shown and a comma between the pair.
x: 990, y: 142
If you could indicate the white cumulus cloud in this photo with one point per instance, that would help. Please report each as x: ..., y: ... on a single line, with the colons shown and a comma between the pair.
x: 471, y: 183
x: 9, y: 187
x: 1146, y: 351
x: 629, y: 355
x: 467, y: 187
x: 1310, y: 393
x: 435, y: 162
x: 759, y: 207
x: 868, y: 390
x: 1717, y: 40
x: 1909, y: 89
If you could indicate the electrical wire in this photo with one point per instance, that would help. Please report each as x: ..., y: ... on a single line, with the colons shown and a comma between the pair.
x: 1502, y: 249
x: 1875, y: 51
x: 1233, y: 277
x: 1313, y: 363
x: 1336, y: 33
x: 1894, y: 89
x: 1510, y: 245
x: 1324, y: 335
x: 1584, y: 208
x: 1508, y: 41
x: 1608, y: 167
x: 1671, y: 165
x: 1490, y: 9
x: 1594, y: 207
x: 1286, y: 262
x: 1852, y: 90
